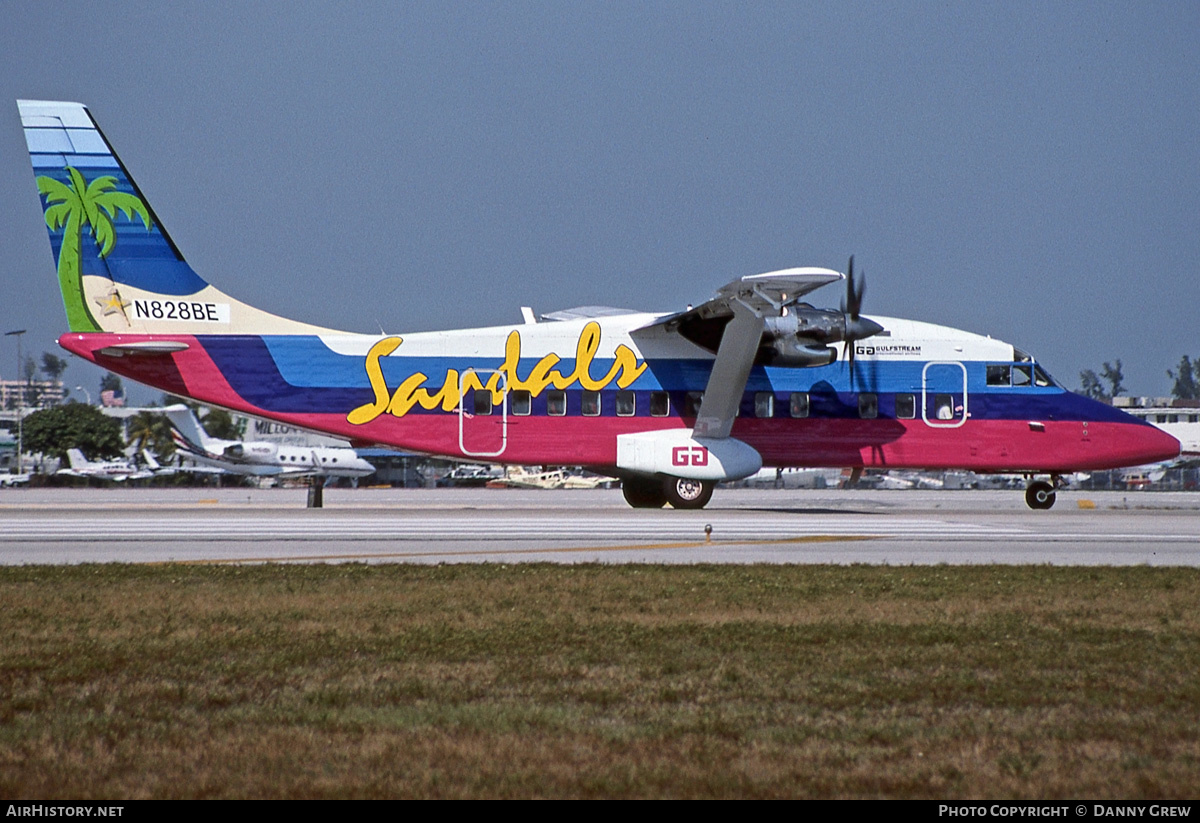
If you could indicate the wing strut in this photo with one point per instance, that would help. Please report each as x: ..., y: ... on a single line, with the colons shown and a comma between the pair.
x: 730, y: 371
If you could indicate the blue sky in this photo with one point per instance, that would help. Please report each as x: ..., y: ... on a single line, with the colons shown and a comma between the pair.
x: 1025, y: 170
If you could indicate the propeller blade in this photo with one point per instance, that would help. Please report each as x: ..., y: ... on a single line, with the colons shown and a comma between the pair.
x: 855, y: 327
x: 850, y: 309
x: 847, y: 301
x: 852, y: 305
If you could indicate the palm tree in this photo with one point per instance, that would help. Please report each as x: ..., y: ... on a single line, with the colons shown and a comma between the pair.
x: 82, y: 204
x: 148, y: 430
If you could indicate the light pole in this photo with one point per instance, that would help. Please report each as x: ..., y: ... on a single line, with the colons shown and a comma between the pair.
x: 86, y: 392
x: 20, y: 404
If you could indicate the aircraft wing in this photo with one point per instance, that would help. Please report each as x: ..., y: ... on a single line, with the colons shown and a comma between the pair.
x: 749, y: 300
x: 758, y: 292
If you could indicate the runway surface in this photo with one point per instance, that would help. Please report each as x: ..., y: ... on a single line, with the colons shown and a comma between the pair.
x: 149, y: 525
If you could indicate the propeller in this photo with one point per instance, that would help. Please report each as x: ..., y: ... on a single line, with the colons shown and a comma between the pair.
x: 856, y: 327
x: 801, y: 336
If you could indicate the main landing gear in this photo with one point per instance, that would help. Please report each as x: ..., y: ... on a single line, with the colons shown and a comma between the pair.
x: 654, y: 492
x: 1040, y: 494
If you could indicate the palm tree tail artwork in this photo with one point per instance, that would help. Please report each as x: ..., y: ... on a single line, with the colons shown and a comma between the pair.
x: 71, y: 208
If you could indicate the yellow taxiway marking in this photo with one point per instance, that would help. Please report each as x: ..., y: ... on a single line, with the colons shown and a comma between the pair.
x: 812, y: 538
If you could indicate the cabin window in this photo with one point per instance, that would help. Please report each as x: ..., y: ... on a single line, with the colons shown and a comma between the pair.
x: 943, y: 407
x: 906, y: 406
x: 999, y: 375
x: 1194, y: 418
x: 626, y: 404
x: 691, y: 403
x: 1022, y: 375
x: 764, y: 404
x: 868, y: 406
x: 798, y: 404
x: 483, y: 402
x: 591, y: 403
x: 1040, y: 378
x: 556, y: 403
x: 660, y: 404
x: 520, y: 403
x: 1160, y: 418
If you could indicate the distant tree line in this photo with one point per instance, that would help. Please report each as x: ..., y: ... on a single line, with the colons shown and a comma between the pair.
x: 1108, y: 383
x: 1187, y: 379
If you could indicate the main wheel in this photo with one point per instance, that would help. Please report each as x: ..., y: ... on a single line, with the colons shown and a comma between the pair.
x: 1039, y: 495
x: 687, y: 494
x: 643, y: 493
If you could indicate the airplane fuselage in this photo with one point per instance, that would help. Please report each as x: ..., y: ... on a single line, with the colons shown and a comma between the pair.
x: 671, y: 403
x: 560, y: 393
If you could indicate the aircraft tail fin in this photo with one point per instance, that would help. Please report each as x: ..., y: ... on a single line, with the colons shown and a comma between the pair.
x: 118, y: 269
x: 76, y: 459
x: 189, y: 434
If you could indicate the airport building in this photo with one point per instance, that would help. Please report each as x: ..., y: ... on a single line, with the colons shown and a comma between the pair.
x: 30, y: 394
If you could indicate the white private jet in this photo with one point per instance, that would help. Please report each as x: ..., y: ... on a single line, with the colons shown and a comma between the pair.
x: 260, y: 458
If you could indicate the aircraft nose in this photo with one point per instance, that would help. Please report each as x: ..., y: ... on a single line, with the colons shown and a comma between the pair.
x: 1158, y: 446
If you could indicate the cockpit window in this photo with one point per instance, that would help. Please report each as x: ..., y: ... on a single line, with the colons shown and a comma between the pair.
x: 1019, y: 374
x: 998, y: 375
x: 1041, y: 378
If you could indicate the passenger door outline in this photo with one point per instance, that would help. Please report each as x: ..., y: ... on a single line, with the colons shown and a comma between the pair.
x: 953, y: 423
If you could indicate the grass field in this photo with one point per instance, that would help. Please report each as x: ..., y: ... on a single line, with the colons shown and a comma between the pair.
x: 598, y: 681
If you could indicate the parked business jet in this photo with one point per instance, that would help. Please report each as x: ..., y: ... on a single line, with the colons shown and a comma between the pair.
x: 671, y: 403
x: 260, y: 458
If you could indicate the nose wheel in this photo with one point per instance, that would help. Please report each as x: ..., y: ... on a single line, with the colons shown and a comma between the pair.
x: 1040, y: 495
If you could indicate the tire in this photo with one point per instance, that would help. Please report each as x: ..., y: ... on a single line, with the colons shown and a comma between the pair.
x: 1040, y: 495
x: 687, y: 494
x: 643, y: 493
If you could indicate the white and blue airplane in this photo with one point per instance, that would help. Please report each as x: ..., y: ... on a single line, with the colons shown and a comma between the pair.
x: 671, y: 403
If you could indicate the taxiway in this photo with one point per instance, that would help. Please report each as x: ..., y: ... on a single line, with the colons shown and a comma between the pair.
x: 148, y: 525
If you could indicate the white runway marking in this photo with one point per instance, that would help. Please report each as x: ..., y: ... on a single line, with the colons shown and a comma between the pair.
x: 132, y: 527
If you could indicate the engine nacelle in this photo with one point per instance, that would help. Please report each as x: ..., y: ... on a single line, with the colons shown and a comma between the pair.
x: 809, y: 325
x: 791, y: 353
x: 799, y: 338
x: 257, y: 452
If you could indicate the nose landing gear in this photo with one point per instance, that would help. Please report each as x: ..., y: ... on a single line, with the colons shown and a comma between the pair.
x: 1040, y: 494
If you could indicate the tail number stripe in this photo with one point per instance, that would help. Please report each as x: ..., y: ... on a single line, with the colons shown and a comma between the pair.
x: 181, y: 310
